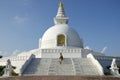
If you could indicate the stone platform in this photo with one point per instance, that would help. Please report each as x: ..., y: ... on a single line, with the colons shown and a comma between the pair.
x: 69, y: 66
x: 61, y: 78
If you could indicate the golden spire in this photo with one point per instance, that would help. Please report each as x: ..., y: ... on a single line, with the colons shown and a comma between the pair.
x: 60, y: 4
x: 60, y: 17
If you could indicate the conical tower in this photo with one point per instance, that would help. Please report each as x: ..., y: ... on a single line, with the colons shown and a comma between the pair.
x: 60, y: 17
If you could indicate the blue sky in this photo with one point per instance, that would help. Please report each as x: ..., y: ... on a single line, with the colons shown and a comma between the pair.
x: 23, y: 22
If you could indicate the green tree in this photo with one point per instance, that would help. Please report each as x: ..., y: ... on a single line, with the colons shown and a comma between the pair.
x: 1, y: 56
x: 119, y: 68
x: 108, y: 67
x: 1, y: 70
x: 12, y: 73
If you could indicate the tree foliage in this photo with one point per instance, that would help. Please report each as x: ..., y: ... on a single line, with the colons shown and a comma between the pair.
x: 108, y: 67
x: 1, y: 56
x: 1, y: 70
x: 119, y: 68
x: 12, y: 73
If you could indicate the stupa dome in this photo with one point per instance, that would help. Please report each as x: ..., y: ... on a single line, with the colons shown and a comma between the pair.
x: 60, y: 34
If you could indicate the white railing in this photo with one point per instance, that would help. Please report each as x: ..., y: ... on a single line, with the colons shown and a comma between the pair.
x: 61, y: 50
x: 98, y: 65
x: 16, y: 58
x: 106, y: 57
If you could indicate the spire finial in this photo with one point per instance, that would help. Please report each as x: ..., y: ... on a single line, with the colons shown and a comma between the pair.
x: 60, y: 17
x: 60, y: 4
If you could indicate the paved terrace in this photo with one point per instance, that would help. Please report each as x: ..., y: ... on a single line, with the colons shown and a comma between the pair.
x: 61, y: 78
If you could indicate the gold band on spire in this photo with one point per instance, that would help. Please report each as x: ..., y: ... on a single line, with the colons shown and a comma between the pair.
x: 60, y: 4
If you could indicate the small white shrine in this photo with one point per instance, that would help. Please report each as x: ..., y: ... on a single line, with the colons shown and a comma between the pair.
x: 8, y: 69
x: 114, y: 69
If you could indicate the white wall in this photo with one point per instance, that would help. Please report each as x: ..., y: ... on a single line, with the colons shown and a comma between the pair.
x: 17, y: 61
x: 98, y: 65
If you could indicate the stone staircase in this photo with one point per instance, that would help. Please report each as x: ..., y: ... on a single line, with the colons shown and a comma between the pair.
x: 69, y: 66
x: 84, y: 66
x: 38, y: 67
x: 66, y: 68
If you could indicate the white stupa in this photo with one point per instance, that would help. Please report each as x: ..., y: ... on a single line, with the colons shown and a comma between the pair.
x: 58, y: 40
x: 61, y: 33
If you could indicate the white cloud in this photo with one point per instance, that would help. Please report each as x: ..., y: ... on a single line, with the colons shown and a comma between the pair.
x: 20, y: 20
x: 15, y: 52
x: 4, y: 53
x: 87, y: 47
x: 103, y: 50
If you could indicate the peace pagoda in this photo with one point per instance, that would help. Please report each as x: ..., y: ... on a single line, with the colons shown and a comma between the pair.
x: 61, y: 52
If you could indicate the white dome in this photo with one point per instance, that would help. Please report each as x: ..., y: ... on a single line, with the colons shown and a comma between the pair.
x: 72, y: 39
